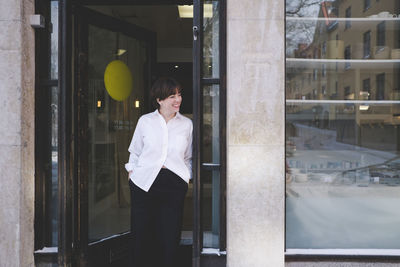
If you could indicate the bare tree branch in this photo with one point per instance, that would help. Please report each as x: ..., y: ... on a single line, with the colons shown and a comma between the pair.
x: 303, y: 4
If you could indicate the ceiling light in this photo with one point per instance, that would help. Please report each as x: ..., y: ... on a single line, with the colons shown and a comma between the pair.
x: 120, y: 52
x: 364, y: 107
x: 186, y: 11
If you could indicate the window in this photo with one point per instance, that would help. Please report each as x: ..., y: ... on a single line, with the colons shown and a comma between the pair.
x: 347, y: 92
x: 380, y: 86
x: 347, y: 55
x: 367, y: 44
x: 367, y: 4
x: 343, y: 162
x: 380, y: 38
x: 323, y: 90
x: 366, y: 90
x: 314, y: 94
x: 348, y: 15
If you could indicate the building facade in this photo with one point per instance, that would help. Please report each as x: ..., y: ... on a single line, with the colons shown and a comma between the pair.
x: 295, y: 107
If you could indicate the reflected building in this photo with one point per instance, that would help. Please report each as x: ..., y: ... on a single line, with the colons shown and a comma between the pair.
x: 354, y: 55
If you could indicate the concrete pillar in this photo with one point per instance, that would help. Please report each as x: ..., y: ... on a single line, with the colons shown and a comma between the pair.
x: 255, y: 132
x: 16, y: 133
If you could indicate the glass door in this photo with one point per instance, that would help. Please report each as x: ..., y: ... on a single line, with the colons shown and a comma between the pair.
x: 115, y: 60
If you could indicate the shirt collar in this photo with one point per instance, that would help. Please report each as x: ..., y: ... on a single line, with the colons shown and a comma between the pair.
x: 177, y: 116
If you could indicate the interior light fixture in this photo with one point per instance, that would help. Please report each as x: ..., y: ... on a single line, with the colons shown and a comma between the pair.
x: 137, y: 104
x: 120, y: 52
x: 99, y: 103
x: 364, y: 107
x: 186, y: 11
x: 176, y: 66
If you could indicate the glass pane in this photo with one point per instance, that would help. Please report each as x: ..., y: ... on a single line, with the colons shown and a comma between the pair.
x: 211, y: 40
x: 342, y: 124
x: 54, y: 167
x: 54, y: 41
x: 210, y: 157
x: 210, y: 208
x: 210, y: 145
x: 111, y: 124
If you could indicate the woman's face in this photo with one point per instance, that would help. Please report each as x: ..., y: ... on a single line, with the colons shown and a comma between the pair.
x: 171, y: 104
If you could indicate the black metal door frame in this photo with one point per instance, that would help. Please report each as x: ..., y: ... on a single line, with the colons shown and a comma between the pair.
x: 199, y: 81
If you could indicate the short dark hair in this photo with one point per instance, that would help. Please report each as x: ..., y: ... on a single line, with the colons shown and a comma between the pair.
x: 162, y: 88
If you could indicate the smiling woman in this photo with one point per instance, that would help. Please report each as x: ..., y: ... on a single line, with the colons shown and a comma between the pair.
x: 160, y: 166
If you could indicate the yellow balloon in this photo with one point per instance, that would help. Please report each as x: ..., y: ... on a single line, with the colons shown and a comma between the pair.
x: 118, y: 80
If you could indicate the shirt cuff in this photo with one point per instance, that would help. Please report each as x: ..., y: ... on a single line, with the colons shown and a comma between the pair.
x: 129, y: 167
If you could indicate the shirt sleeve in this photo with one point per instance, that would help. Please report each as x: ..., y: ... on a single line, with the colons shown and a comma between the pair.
x: 135, y: 148
x: 188, y: 151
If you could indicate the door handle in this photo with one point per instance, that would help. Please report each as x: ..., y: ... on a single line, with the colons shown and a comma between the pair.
x: 195, y: 32
x: 211, y: 166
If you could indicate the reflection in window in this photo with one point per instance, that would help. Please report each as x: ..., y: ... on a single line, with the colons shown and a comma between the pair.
x: 380, y: 38
x: 348, y: 15
x: 367, y: 44
x: 380, y: 86
x: 347, y: 55
x: 367, y: 4
x: 366, y: 92
x: 342, y: 127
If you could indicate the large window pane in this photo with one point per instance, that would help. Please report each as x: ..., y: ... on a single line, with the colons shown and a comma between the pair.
x: 342, y: 124
x: 111, y: 124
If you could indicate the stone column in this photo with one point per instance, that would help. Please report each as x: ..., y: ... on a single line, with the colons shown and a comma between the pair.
x: 16, y: 133
x: 256, y: 105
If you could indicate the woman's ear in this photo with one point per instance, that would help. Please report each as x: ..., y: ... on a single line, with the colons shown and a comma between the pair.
x: 158, y: 100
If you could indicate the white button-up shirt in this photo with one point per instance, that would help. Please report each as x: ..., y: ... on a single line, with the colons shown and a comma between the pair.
x: 156, y: 143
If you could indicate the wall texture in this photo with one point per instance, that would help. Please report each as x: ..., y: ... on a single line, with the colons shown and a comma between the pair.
x: 16, y: 133
x: 255, y: 85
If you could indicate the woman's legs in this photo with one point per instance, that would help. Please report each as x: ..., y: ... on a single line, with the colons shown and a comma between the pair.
x: 170, y: 191
x: 156, y: 220
x: 142, y: 227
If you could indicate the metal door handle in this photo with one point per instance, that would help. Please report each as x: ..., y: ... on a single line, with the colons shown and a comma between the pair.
x: 195, y: 32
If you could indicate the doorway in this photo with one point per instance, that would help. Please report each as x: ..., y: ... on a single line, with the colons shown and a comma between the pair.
x: 152, y: 41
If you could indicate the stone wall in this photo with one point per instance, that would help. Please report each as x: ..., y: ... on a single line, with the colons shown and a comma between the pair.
x: 16, y: 133
x: 255, y: 108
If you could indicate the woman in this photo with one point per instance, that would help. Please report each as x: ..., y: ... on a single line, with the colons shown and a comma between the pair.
x: 159, y: 170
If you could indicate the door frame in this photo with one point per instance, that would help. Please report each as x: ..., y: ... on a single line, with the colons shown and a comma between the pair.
x: 199, y: 257
x: 73, y: 245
